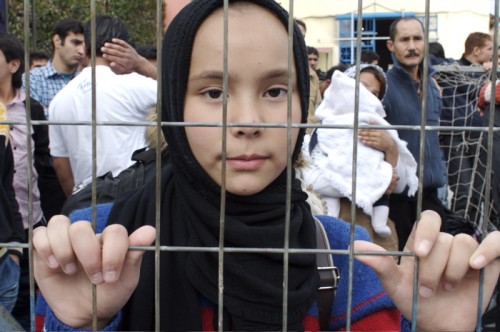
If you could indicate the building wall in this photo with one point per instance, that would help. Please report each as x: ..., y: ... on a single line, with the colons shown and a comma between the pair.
x: 456, y: 19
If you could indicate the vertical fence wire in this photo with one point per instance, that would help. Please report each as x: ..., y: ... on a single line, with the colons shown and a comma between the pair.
x: 489, y: 160
x: 158, y: 162
x: 286, y: 242
x: 357, y: 38
x: 94, y: 141
x: 29, y: 129
x: 222, y: 221
x: 424, y: 83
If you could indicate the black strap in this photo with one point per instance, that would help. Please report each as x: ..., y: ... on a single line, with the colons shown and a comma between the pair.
x: 329, y: 276
x: 314, y: 141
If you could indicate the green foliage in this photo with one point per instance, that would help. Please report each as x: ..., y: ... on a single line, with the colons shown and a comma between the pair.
x: 138, y: 15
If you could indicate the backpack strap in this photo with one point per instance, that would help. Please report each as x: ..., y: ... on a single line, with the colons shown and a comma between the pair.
x: 329, y: 276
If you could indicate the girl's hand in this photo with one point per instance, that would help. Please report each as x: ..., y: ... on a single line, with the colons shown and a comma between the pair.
x: 448, y: 284
x: 69, y: 258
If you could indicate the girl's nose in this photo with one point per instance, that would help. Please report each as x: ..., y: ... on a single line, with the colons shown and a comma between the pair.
x: 244, y: 113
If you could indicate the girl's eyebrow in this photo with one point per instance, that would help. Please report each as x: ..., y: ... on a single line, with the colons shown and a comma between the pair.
x: 208, y: 75
x: 219, y: 75
x: 278, y: 74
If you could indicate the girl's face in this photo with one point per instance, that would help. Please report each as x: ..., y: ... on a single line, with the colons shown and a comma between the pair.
x: 370, y: 82
x: 257, y: 93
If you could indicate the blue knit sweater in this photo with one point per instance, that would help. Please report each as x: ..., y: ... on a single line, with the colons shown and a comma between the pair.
x: 404, y: 107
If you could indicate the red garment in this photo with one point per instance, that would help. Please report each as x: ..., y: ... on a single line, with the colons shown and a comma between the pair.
x: 485, y: 95
x: 383, y: 320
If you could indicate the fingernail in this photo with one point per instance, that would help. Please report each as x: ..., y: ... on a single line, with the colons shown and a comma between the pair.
x: 53, y: 264
x: 425, y: 292
x: 70, y: 268
x: 110, y: 276
x: 424, y: 247
x: 479, y: 261
x: 96, y: 278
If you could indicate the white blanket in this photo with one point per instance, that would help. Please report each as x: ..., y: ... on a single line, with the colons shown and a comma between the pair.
x: 330, y: 170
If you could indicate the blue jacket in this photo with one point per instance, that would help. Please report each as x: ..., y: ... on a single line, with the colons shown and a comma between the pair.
x: 404, y: 107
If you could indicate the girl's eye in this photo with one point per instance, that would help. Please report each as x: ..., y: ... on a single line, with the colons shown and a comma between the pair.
x: 276, y: 92
x: 213, y: 94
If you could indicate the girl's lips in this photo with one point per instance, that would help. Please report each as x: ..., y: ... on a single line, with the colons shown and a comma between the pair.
x: 246, y: 163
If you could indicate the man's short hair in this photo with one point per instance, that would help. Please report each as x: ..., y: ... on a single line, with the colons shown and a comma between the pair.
x: 476, y: 39
x: 340, y: 67
x: 38, y: 55
x: 393, y: 29
x: 369, y: 57
x: 312, y: 50
x: 107, y: 28
x: 12, y: 49
x: 437, y: 50
x: 67, y: 25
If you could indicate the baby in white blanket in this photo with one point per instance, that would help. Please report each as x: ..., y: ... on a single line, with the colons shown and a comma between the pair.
x: 329, y: 152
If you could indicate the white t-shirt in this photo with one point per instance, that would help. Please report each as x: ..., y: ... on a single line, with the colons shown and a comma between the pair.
x: 119, y: 98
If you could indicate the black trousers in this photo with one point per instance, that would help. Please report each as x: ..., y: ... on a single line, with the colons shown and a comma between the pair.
x: 403, y: 211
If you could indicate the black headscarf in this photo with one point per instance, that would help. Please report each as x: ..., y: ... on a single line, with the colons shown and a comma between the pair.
x: 190, y: 214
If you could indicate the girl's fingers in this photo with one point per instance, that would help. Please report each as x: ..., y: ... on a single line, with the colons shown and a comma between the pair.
x: 143, y: 236
x: 458, y: 263
x: 115, y: 244
x: 432, y: 266
x: 60, y: 244
x: 383, y: 265
x: 488, y: 251
x: 116, y: 256
x: 42, y: 248
x: 424, y: 233
x: 87, y: 249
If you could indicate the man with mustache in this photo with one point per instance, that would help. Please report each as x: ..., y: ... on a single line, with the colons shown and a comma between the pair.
x: 403, y: 105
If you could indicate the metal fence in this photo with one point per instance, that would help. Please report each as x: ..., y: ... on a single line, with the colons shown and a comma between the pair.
x: 7, y: 324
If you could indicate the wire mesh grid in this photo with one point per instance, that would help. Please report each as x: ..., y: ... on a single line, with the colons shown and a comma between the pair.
x: 222, y: 250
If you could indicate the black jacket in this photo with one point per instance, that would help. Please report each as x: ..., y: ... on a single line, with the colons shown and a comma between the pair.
x: 11, y: 224
x: 51, y: 194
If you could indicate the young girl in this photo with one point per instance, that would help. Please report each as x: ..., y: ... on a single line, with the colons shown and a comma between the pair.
x: 328, y: 152
x: 70, y: 258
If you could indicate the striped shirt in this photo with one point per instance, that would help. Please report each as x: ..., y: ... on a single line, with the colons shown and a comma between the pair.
x: 18, y: 134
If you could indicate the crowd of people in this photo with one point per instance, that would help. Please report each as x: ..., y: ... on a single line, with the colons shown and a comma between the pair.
x: 250, y: 171
x: 40, y: 191
x: 454, y: 159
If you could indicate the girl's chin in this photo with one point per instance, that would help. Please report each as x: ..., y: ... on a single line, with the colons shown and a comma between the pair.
x: 244, y: 190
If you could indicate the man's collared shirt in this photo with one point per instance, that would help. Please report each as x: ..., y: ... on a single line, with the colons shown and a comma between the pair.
x: 45, y: 83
